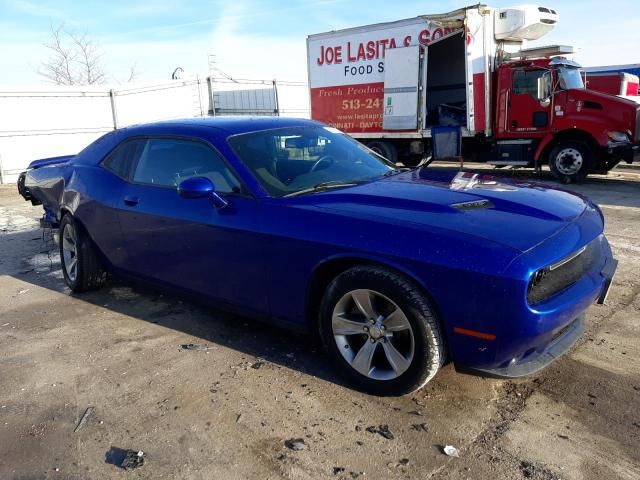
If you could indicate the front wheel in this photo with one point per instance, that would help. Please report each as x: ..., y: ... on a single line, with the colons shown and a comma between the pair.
x: 80, y: 263
x: 381, y: 331
x: 570, y: 160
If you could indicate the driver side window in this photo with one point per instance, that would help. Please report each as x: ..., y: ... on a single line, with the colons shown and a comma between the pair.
x: 167, y: 162
x: 525, y: 82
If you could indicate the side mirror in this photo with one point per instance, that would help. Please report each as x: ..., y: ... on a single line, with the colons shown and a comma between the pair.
x: 544, y: 94
x: 201, y: 187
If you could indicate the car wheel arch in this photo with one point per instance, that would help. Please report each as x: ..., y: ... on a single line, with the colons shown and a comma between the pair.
x: 327, y: 270
x: 66, y: 210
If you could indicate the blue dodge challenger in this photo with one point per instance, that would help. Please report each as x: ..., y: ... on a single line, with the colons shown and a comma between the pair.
x: 294, y: 222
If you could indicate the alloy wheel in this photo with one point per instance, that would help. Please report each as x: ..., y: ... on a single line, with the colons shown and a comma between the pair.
x: 70, y: 251
x: 373, y: 334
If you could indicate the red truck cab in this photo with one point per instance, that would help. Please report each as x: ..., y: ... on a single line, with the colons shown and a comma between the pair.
x: 544, y: 112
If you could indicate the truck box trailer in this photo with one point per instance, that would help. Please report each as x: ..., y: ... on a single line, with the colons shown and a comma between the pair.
x: 617, y: 83
x: 397, y: 85
x: 614, y: 79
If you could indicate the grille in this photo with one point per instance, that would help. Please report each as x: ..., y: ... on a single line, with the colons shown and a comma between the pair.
x: 554, y: 279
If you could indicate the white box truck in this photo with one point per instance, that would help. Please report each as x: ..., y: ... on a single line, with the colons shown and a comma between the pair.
x: 392, y: 85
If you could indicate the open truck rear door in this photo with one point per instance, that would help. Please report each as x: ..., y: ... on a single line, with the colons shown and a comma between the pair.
x: 401, y: 85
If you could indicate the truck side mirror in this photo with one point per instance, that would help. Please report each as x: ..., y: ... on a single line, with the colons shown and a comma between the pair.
x: 544, y: 95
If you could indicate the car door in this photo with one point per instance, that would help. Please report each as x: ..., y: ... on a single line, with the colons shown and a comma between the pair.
x: 189, y: 243
x: 107, y: 184
x: 528, y: 114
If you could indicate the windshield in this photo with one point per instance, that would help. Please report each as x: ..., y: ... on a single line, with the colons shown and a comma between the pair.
x: 288, y: 160
x: 569, y: 78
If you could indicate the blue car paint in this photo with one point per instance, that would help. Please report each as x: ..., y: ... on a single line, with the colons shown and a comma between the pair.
x: 259, y: 255
x: 200, y: 187
x: 43, y: 162
x: 212, y: 252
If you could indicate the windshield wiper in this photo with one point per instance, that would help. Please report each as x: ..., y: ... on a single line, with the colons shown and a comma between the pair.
x: 321, y: 187
x: 395, y: 171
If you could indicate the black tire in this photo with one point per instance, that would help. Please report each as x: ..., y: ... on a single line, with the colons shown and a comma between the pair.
x: 89, y: 274
x: 412, y: 160
x: 386, y: 149
x: 570, y: 161
x: 428, y: 342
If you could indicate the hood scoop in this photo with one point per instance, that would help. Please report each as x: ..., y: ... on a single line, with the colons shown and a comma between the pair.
x: 473, y: 205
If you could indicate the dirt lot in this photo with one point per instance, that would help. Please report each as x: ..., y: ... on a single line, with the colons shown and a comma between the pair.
x: 226, y: 411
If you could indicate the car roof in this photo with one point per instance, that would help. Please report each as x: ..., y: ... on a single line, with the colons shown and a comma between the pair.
x: 231, y: 125
x: 200, y: 126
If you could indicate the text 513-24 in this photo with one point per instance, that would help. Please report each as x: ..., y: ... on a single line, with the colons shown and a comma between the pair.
x: 357, y: 104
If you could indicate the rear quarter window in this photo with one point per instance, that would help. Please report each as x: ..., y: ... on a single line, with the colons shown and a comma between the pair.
x: 123, y: 159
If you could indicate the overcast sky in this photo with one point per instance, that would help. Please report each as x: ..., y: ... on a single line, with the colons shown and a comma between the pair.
x: 262, y: 39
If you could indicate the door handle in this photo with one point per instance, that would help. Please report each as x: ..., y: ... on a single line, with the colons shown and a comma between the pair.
x: 514, y: 124
x: 131, y: 200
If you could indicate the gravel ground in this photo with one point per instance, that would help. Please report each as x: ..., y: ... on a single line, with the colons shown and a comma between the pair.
x: 227, y: 408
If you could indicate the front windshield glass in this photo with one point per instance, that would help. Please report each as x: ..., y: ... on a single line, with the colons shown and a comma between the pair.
x: 569, y: 78
x: 289, y: 160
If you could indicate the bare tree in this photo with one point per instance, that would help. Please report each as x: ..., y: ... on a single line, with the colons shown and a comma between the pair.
x: 59, y: 67
x: 133, y: 73
x: 75, y: 59
x: 89, y: 59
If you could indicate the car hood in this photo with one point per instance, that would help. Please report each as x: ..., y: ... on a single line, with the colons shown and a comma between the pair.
x: 517, y: 214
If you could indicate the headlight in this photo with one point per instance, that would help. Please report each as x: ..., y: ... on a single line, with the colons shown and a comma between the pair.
x: 553, y: 279
x: 618, y: 136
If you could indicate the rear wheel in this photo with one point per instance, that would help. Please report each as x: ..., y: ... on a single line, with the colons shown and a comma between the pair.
x: 380, y: 330
x: 413, y: 160
x: 386, y: 149
x: 571, y: 160
x: 80, y: 263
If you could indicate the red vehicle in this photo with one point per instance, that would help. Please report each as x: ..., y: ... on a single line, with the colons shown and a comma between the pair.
x: 615, y: 83
x: 623, y: 80
x: 402, y: 87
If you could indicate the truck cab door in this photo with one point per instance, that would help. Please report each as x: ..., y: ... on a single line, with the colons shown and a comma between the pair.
x: 529, y: 111
x: 401, y: 82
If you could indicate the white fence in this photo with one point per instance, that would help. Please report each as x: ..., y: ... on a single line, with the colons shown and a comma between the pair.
x: 50, y: 121
x: 259, y: 97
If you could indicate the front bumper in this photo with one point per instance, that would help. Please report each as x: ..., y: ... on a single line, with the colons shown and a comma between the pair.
x: 535, y: 359
x: 625, y: 151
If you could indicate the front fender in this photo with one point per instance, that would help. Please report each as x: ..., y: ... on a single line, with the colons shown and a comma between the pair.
x: 573, y: 133
x: 546, y: 141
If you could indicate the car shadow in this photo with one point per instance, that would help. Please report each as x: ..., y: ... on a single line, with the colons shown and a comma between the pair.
x: 39, y: 265
x: 619, y: 188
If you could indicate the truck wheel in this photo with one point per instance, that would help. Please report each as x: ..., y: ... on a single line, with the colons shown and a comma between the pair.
x: 380, y: 331
x: 386, y: 149
x: 413, y: 160
x: 80, y: 263
x: 570, y: 160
